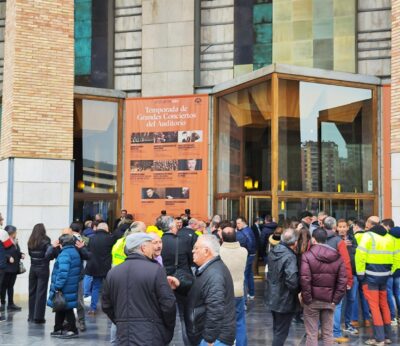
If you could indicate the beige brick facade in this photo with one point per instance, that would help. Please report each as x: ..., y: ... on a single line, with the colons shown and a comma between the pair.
x: 395, y: 107
x: 38, y: 79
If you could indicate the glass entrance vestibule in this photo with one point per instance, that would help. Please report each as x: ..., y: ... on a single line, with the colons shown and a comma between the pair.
x: 289, y: 139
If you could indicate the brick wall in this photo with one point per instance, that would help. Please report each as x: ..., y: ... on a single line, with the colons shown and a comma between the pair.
x: 395, y: 108
x: 38, y: 79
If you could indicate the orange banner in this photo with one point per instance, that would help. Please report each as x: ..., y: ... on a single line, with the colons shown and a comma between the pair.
x: 166, y: 156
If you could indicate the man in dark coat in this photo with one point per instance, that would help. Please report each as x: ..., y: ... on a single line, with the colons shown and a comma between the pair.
x: 99, y: 263
x: 177, y: 259
x: 267, y: 230
x: 283, y: 285
x: 210, y: 314
x: 142, y: 308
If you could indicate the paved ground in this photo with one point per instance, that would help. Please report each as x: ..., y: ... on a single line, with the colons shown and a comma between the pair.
x: 15, y: 330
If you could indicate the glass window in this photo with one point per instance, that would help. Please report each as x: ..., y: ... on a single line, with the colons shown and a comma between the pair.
x: 95, y: 146
x: 86, y: 210
x: 342, y: 208
x: 244, y: 140
x: 93, y: 44
x: 325, y: 138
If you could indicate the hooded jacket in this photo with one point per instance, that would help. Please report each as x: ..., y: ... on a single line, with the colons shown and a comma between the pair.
x: 322, y: 275
x: 65, y: 276
x: 282, y: 280
x: 5, y: 242
x: 395, y: 233
x: 266, y: 230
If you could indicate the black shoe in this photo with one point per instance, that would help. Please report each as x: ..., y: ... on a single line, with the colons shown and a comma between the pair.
x: 69, y: 335
x: 13, y: 307
x: 56, y: 333
x: 2, y: 307
x: 298, y: 320
x: 38, y: 321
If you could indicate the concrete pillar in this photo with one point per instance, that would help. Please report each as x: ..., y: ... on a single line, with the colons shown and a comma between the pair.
x: 37, y: 123
x: 167, y: 47
x: 395, y: 112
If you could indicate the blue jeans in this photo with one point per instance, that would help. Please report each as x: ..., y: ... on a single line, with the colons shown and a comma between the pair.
x: 337, y: 317
x: 351, y: 296
x: 216, y: 343
x: 396, y: 293
x: 113, y: 334
x: 364, y: 303
x: 97, y: 283
x: 390, y: 297
x: 249, y: 276
x: 241, y: 335
x: 87, y: 285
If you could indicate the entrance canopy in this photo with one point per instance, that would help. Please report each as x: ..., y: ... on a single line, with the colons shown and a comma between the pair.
x: 291, y: 138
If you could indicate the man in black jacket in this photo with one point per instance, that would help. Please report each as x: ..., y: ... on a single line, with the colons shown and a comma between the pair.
x: 100, y: 246
x: 177, y: 259
x: 210, y: 314
x: 143, y: 308
x: 283, y: 285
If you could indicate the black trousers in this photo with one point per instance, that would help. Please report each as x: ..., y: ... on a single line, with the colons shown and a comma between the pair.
x: 280, y: 327
x: 181, y: 303
x: 38, y: 281
x: 69, y: 316
x: 2, y: 273
x: 7, y: 287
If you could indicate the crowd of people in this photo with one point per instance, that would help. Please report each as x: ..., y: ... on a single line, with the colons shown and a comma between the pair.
x: 319, y: 271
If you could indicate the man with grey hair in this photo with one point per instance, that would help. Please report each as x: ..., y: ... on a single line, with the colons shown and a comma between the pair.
x: 189, y: 231
x: 283, y: 285
x: 210, y: 314
x: 143, y: 309
x: 337, y: 243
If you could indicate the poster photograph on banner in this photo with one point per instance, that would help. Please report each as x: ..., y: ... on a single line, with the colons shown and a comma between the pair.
x: 166, y: 156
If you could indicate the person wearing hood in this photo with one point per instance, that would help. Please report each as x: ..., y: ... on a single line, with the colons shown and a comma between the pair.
x: 374, y: 262
x: 267, y: 230
x: 395, y: 233
x: 283, y: 285
x: 323, y: 284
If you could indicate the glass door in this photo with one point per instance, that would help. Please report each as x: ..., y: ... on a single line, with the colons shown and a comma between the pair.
x: 257, y: 206
x: 228, y: 208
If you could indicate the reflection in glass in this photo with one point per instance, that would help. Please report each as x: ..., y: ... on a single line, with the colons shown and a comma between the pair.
x: 325, y: 137
x: 258, y: 207
x: 244, y: 140
x: 290, y: 209
x: 228, y: 209
x: 86, y: 210
x: 95, y: 146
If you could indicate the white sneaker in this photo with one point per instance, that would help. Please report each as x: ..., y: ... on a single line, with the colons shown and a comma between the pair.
x: 394, y: 322
x: 87, y: 300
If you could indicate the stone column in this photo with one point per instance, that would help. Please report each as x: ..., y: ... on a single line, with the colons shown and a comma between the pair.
x: 395, y: 112
x: 37, y: 123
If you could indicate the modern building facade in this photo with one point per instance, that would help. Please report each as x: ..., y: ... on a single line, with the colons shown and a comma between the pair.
x: 303, y: 94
